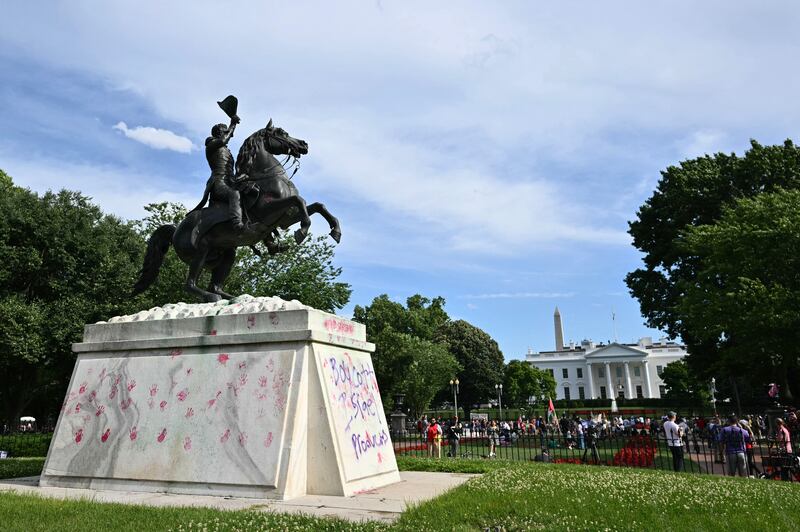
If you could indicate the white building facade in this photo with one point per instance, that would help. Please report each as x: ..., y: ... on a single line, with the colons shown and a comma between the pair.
x: 603, y: 371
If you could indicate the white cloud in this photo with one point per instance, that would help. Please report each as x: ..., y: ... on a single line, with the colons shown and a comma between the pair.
x: 703, y: 142
x: 160, y: 139
x: 446, y: 123
x: 521, y: 295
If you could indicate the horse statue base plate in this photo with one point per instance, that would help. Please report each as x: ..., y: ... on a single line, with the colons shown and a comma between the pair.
x: 255, y: 397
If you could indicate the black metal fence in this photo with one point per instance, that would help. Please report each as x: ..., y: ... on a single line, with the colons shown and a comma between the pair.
x: 700, y: 452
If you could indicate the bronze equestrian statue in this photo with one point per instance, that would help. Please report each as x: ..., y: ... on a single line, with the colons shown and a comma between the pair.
x: 245, y: 208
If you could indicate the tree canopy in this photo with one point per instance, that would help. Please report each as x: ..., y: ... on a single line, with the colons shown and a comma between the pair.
x: 521, y: 381
x: 64, y: 264
x: 479, y: 357
x: 682, y: 384
x: 696, y: 193
x: 408, y: 358
x: 744, y: 297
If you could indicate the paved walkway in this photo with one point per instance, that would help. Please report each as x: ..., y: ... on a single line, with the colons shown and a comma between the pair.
x: 383, y: 504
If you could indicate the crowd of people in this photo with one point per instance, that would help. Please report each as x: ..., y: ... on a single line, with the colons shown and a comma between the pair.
x: 730, y: 441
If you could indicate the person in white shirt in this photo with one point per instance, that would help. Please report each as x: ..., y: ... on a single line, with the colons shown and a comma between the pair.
x: 674, y: 435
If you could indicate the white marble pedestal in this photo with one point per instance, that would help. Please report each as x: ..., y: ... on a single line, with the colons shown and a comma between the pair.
x: 257, y: 398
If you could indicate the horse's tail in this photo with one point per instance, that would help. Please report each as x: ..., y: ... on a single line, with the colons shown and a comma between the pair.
x: 157, y: 247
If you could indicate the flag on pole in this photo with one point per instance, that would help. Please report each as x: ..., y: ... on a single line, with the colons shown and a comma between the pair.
x: 774, y: 390
x: 551, y: 411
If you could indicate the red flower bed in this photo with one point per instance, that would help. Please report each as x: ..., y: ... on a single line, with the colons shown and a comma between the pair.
x: 639, y: 451
x: 403, y: 447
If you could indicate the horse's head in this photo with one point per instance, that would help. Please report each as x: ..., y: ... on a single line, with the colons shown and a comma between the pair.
x: 279, y: 142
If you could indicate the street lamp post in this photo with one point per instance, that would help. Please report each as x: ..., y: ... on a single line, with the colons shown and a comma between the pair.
x: 544, y: 411
x: 499, y: 389
x: 454, y: 387
x: 713, y: 390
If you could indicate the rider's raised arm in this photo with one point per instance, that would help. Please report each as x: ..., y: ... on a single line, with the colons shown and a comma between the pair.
x: 227, y: 136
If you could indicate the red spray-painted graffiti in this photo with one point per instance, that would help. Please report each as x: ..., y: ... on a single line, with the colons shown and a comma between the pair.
x: 339, y: 326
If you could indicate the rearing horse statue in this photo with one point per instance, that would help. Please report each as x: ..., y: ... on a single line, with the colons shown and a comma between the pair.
x: 270, y: 200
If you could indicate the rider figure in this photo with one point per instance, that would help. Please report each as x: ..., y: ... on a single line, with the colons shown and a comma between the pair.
x: 220, y: 160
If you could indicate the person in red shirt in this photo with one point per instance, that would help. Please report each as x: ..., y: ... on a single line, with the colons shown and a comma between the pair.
x: 434, y: 439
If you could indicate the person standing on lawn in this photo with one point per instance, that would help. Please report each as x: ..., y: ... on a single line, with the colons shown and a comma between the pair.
x: 714, y: 439
x: 782, y: 437
x: 494, y: 438
x: 752, y: 468
x: 434, y: 437
x: 734, y: 438
x: 422, y: 426
x: 591, y: 434
x: 672, y: 431
x: 453, y: 437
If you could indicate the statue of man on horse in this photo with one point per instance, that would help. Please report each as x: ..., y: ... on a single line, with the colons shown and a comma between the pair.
x: 258, y: 192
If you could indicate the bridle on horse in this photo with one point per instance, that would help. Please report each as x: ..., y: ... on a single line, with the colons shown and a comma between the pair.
x: 294, y: 164
x: 295, y: 161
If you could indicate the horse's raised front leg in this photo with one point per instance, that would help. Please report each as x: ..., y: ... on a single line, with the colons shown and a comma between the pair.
x: 305, y: 221
x: 278, y: 209
x: 221, y: 272
x: 195, y: 267
x: 333, y: 222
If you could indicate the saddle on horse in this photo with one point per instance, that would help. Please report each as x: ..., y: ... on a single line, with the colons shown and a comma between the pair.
x: 219, y: 209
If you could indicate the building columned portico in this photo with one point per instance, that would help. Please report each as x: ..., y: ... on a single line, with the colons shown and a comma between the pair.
x: 589, y: 371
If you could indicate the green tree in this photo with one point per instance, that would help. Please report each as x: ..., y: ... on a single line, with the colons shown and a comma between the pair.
x: 479, y: 357
x: 692, y: 194
x: 522, y: 381
x: 304, y: 272
x: 395, y: 330
x: 682, y: 385
x: 430, y: 368
x: 64, y: 264
x: 743, y: 298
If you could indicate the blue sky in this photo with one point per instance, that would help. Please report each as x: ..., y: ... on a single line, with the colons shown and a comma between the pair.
x: 491, y: 153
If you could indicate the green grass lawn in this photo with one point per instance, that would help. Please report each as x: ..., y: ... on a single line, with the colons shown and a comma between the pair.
x: 569, y: 497
x: 511, y: 495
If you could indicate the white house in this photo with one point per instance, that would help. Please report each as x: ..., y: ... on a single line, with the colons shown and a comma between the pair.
x: 596, y: 371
